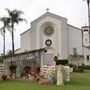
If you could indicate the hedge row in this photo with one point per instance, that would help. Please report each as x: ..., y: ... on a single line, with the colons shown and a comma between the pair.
x: 86, y: 67
x: 62, y: 62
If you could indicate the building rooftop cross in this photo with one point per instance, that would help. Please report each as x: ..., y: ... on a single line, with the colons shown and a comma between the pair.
x: 47, y: 9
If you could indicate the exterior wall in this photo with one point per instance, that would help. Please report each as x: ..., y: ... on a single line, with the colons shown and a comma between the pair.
x: 85, y: 39
x: 41, y: 38
x: 39, y: 31
x: 74, y: 40
x: 63, y: 43
x: 64, y: 39
x: 25, y: 41
x: 60, y: 50
x: 33, y: 36
x: 86, y: 52
x: 85, y: 36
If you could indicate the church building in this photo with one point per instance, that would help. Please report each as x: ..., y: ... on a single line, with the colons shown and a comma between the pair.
x: 59, y: 38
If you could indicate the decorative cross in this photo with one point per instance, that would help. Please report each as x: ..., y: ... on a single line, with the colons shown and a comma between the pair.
x: 47, y: 9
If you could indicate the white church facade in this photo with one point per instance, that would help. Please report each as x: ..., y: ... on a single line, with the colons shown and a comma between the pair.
x: 60, y: 39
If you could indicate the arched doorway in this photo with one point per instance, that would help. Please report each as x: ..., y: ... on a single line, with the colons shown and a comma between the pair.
x: 27, y: 69
x: 13, y: 69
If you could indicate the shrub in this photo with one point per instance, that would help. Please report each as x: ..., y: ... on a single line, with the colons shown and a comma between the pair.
x: 77, y: 68
x: 4, y: 77
x: 87, y: 67
x: 70, y: 65
x: 1, y: 59
x: 62, y: 62
x: 80, y: 68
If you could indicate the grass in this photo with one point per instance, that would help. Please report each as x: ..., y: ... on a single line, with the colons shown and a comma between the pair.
x: 79, y: 81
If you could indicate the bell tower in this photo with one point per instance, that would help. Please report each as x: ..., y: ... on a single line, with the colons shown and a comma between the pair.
x: 85, y: 36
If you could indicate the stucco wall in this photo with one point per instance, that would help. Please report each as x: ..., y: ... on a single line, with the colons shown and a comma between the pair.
x: 35, y: 39
x: 64, y: 40
x: 58, y: 39
x: 74, y: 40
x: 86, y: 52
x: 25, y: 41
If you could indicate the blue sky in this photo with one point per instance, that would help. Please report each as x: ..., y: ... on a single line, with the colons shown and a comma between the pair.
x: 74, y: 10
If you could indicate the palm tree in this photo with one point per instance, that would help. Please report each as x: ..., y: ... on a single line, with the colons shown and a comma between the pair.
x: 5, y: 22
x: 14, y: 17
x: 9, y: 52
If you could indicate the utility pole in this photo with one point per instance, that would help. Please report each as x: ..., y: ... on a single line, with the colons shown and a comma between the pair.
x: 88, y: 4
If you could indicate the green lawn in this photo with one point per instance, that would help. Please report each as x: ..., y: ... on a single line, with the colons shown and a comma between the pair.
x: 79, y: 81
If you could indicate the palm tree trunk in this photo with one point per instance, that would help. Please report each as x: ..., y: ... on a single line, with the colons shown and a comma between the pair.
x: 12, y: 39
x: 4, y: 42
x: 12, y: 45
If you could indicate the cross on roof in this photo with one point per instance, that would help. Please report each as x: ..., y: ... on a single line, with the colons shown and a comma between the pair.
x: 47, y: 9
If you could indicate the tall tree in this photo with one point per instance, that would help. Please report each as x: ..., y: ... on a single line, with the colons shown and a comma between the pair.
x: 9, y: 52
x: 14, y: 17
x: 5, y: 22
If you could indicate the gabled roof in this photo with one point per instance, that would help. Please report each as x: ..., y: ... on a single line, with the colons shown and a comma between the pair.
x: 75, y: 27
x: 45, y: 15
x: 49, y: 14
x: 17, y: 49
x: 23, y: 53
x: 85, y: 27
x: 25, y: 31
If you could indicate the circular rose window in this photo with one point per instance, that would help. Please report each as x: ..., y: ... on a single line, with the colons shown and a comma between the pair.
x: 49, y: 30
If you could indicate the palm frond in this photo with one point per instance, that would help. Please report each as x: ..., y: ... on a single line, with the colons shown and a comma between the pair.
x: 14, y: 16
x: 19, y: 12
x: 9, y: 12
x: 5, y: 21
x: 21, y: 19
x: 6, y: 25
